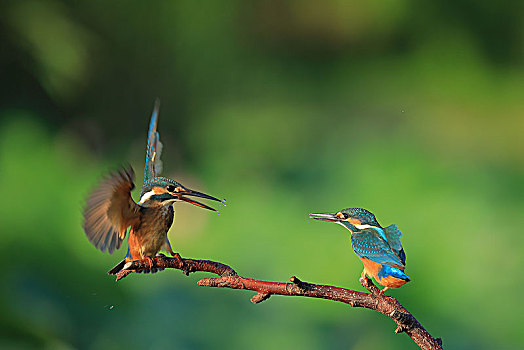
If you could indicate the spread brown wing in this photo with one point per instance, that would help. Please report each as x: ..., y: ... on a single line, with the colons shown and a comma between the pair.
x: 110, y: 210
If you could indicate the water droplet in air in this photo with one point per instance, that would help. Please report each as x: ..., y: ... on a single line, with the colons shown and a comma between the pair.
x: 218, y: 213
x: 224, y: 202
x: 402, y: 111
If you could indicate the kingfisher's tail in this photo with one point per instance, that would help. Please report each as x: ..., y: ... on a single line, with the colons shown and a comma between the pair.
x: 117, y: 268
x: 394, y: 272
x: 121, y: 265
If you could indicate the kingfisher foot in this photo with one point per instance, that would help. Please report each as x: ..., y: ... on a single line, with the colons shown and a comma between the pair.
x: 171, y: 252
x: 185, y: 269
x: 383, y: 290
x: 368, y: 284
x: 148, y: 261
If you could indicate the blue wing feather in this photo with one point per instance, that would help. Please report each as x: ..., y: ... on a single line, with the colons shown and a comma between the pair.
x: 393, y: 235
x: 154, y: 147
x: 368, y: 244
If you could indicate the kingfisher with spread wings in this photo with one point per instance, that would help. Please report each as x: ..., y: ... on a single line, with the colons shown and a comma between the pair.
x: 379, y: 248
x: 110, y: 210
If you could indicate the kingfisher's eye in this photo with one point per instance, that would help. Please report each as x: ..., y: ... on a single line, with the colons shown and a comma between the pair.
x: 170, y: 188
x: 341, y: 215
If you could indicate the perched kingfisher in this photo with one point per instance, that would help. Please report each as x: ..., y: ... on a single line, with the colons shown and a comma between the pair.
x: 379, y: 248
x: 110, y: 210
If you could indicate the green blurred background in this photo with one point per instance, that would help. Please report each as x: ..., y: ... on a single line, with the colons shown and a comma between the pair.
x: 413, y: 110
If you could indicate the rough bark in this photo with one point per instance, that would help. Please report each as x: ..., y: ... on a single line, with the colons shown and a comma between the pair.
x: 228, y: 278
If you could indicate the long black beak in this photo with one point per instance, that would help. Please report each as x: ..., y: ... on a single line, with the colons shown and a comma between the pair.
x: 325, y: 217
x: 188, y: 192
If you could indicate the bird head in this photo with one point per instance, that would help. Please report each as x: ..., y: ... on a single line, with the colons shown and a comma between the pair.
x: 161, y: 191
x: 353, y: 219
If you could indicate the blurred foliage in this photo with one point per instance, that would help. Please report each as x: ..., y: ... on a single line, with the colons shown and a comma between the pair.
x: 412, y: 110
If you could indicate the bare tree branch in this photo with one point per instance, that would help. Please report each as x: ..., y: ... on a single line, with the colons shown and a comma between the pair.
x: 388, y: 306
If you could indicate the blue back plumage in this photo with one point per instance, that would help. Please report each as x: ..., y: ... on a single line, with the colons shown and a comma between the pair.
x: 369, y: 244
x: 154, y: 147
